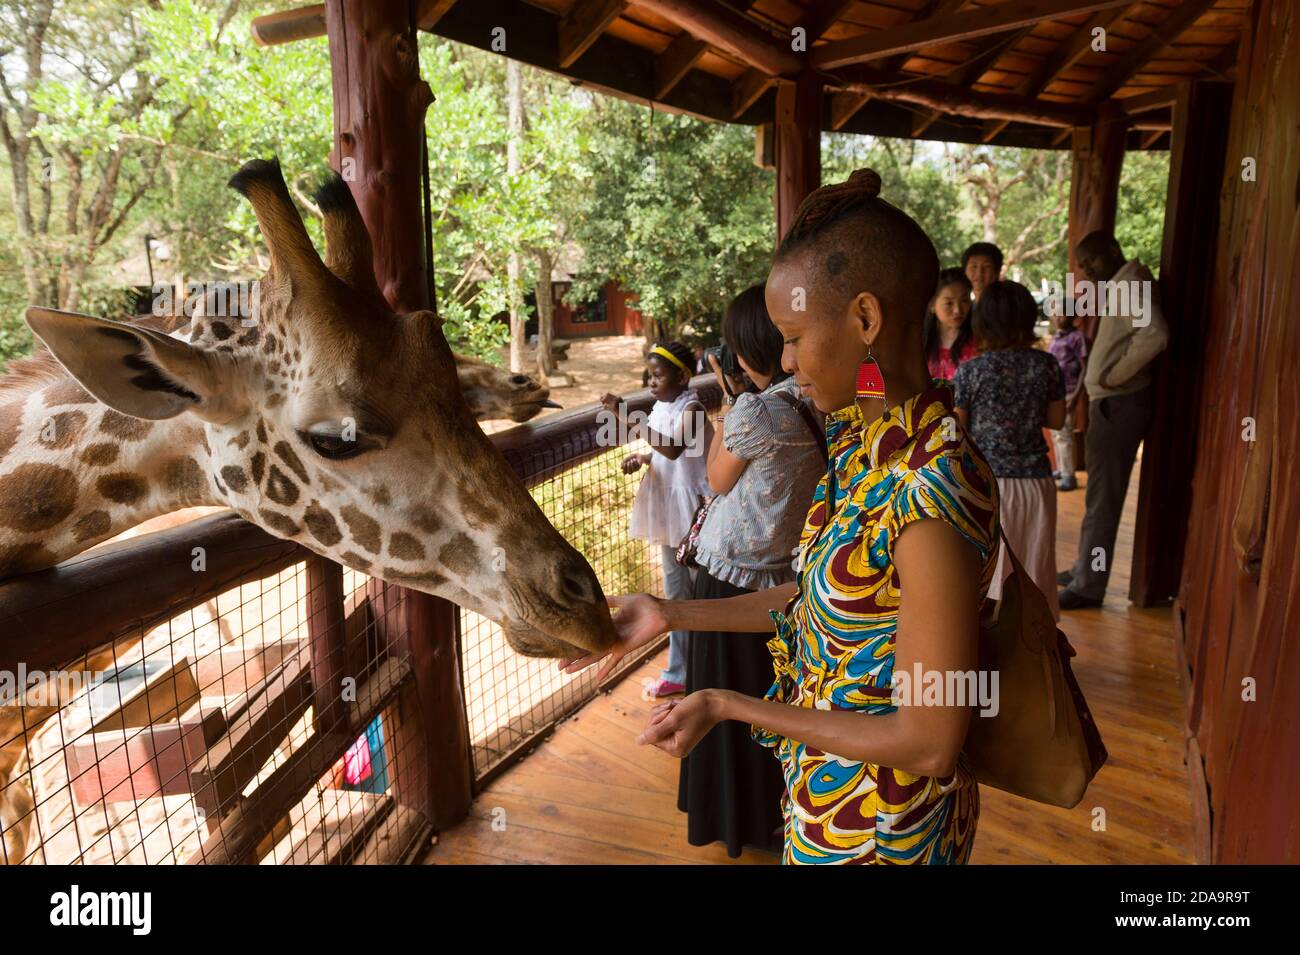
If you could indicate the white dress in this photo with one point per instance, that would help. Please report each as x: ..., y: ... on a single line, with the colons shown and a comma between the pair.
x: 671, y: 490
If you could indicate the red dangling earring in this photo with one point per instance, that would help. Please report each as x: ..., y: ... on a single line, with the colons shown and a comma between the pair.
x: 871, y: 383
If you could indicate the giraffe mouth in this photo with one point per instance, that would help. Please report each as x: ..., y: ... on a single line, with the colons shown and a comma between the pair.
x: 528, y: 641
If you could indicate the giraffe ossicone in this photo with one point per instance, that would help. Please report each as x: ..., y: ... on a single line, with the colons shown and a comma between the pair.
x: 330, y: 420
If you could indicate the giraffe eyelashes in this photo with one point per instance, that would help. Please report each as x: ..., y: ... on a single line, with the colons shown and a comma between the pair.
x: 334, y: 446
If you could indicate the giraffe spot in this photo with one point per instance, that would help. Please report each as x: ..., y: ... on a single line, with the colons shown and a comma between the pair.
x: 274, y: 399
x: 92, y: 525
x: 220, y: 330
x: 66, y: 392
x: 11, y: 416
x: 123, y: 426
x: 322, y: 525
x: 248, y: 338
x: 258, y: 466
x: 430, y: 580
x: 279, y: 488
x: 364, y: 529
x: 405, y: 547
x: 327, y: 483
x: 25, y: 558
x: 460, y: 555
x: 62, y: 429
x: 380, y: 496
x: 261, y: 431
x: 269, y: 344
x: 184, y: 477
x: 479, y: 511
x: 235, y: 477
x: 355, y: 561
x: 36, y: 497
x: 240, y: 440
x: 427, y: 521
x: 286, y: 454
x: 99, y: 455
x: 122, y: 488
x: 280, y: 523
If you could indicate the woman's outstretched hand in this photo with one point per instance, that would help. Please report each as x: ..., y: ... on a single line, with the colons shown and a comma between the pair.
x: 678, y: 725
x: 638, y: 620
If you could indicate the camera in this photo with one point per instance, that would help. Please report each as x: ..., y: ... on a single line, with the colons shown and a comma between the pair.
x: 726, y: 360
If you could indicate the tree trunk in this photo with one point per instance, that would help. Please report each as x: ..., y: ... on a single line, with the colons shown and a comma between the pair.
x: 515, y: 103
x: 545, y: 314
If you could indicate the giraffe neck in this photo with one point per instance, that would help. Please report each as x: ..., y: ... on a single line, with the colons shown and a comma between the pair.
x: 73, y: 473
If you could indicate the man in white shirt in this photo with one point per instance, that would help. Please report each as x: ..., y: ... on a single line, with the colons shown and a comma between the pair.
x: 1131, y: 332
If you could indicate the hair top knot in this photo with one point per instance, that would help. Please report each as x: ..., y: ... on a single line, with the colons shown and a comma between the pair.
x: 827, y: 204
x: 867, y: 182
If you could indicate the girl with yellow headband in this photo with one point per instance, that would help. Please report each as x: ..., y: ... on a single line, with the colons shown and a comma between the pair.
x: 678, y: 432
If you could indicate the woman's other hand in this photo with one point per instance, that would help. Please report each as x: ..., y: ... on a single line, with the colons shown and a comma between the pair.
x: 632, y: 462
x: 639, y: 619
x: 678, y: 725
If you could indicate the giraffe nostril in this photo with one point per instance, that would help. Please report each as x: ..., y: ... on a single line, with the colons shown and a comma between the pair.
x: 579, y: 585
x: 519, y: 380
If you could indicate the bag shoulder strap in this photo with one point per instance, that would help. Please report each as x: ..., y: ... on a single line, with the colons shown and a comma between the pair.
x: 819, y: 436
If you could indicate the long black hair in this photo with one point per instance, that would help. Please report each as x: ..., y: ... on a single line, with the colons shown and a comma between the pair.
x: 930, y: 334
x: 748, y: 331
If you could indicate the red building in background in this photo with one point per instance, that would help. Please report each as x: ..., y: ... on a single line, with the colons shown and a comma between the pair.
x: 610, y: 314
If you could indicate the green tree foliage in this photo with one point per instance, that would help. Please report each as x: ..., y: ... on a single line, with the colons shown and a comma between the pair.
x: 676, y: 212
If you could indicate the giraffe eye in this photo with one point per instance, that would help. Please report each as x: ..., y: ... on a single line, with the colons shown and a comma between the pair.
x: 333, y: 446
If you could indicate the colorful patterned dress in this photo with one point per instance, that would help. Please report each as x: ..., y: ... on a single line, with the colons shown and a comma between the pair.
x: 834, y: 644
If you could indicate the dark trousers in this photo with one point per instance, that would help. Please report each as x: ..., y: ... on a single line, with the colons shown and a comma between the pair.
x: 1116, y: 426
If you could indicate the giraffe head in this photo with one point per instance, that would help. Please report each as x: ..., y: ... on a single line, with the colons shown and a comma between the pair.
x: 330, y: 420
x: 493, y: 393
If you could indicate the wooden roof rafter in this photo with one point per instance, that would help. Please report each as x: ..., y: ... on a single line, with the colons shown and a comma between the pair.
x: 721, y: 58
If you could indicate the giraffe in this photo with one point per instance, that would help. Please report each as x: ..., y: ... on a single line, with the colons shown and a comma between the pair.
x: 330, y: 421
x: 490, y: 392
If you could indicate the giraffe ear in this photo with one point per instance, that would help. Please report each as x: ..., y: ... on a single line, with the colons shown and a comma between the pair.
x: 135, y: 370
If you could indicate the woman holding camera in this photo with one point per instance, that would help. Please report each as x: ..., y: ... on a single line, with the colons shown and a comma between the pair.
x: 764, y: 462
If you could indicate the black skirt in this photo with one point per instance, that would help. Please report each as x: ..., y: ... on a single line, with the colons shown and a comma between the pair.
x: 730, y: 787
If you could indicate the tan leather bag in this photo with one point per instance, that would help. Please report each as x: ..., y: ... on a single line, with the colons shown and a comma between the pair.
x: 1043, y: 743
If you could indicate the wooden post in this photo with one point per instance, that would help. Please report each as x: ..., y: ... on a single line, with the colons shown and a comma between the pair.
x: 329, y: 649
x: 379, y: 107
x: 798, y: 146
x: 1196, y: 157
x: 1097, y: 153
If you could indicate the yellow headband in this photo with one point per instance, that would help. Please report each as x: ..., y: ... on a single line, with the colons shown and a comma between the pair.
x: 665, y: 353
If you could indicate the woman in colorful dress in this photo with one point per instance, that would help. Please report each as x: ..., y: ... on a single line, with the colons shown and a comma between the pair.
x: 895, y: 557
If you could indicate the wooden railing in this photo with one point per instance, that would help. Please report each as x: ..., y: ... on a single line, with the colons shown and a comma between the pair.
x: 401, y: 644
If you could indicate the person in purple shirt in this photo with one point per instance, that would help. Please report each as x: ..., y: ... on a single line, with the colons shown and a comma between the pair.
x: 1069, y: 348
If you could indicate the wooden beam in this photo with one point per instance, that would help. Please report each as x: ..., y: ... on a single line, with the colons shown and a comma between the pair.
x: 730, y: 32
x: 879, y: 44
x: 676, y: 61
x: 923, y: 121
x: 992, y: 128
x: 303, y: 23
x: 1153, y: 137
x: 845, y: 105
x: 797, y: 127
x: 583, y: 24
x: 932, y: 11
x: 1162, y: 34
x: 1161, y: 97
x: 1076, y: 45
x: 945, y: 98
x: 821, y: 16
x: 746, y: 91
